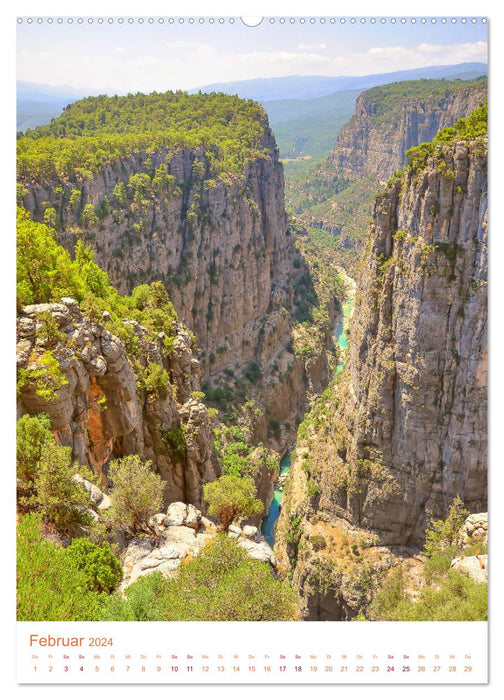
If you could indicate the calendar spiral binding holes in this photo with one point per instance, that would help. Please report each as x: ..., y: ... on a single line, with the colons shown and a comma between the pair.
x: 244, y: 20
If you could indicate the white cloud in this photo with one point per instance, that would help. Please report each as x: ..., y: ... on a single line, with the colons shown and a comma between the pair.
x: 280, y: 57
x: 186, y: 63
x: 401, y: 58
x: 311, y: 47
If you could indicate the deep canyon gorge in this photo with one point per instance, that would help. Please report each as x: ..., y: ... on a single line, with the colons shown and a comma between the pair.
x: 186, y: 318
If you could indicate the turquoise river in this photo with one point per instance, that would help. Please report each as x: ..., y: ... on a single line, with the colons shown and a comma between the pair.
x: 270, y: 521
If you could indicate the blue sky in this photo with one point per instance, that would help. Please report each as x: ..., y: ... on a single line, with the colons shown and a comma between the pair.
x: 144, y: 57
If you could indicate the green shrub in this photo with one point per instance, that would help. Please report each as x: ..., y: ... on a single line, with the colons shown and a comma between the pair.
x: 175, y: 442
x: 137, y: 494
x: 32, y: 433
x: 222, y: 583
x: 50, y: 586
x: 455, y: 597
x: 447, y: 594
x: 442, y: 534
x: 49, y: 331
x: 253, y: 372
x: 231, y: 497
x: 45, y: 477
x: 103, y: 571
x: 57, y: 497
x: 47, y: 377
x: 154, y: 380
x: 46, y: 272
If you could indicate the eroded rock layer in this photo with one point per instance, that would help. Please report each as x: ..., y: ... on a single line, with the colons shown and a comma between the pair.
x: 98, y: 408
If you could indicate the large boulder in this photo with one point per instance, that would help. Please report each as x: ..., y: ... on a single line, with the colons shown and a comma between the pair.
x: 475, y: 567
x: 182, y: 514
x: 258, y: 550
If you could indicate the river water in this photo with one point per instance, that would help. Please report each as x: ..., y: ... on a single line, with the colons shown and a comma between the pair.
x: 270, y: 521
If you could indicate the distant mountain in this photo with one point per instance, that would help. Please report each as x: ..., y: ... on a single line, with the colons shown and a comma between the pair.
x: 310, y: 126
x: 38, y: 104
x: 311, y: 86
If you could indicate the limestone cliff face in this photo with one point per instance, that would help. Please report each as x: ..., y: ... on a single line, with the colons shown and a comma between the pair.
x: 220, y: 244
x: 374, y: 141
x: 404, y: 430
x: 418, y: 359
x: 100, y: 410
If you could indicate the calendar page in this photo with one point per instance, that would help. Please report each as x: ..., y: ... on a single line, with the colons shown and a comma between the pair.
x: 251, y: 346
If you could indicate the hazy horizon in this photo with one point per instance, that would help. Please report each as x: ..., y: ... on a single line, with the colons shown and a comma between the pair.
x: 118, y: 58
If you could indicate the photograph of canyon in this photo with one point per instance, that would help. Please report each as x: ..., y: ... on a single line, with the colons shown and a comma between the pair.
x: 251, y: 320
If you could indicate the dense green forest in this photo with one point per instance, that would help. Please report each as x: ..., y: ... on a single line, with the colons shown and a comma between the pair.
x: 99, y: 130
x: 388, y: 100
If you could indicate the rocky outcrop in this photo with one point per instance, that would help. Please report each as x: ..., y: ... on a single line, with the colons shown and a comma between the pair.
x: 473, y: 534
x: 83, y: 378
x: 375, y: 140
x: 403, y: 431
x: 181, y: 534
x: 475, y: 530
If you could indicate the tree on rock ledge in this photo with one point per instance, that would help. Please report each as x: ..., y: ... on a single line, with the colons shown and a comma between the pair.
x: 136, y: 495
x: 230, y: 497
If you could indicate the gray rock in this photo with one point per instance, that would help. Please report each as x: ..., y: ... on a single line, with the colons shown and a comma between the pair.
x: 159, y: 555
x: 105, y: 502
x: 157, y: 521
x: 193, y: 517
x: 474, y: 530
x: 258, y: 550
x: 234, y: 530
x: 137, y: 549
x: 97, y: 366
x: 184, y: 538
x: 249, y: 531
x: 207, y: 523
x: 111, y: 348
x: 23, y: 350
x: 25, y: 327
x: 176, y: 514
x: 90, y: 512
x: 93, y: 490
x: 475, y: 567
